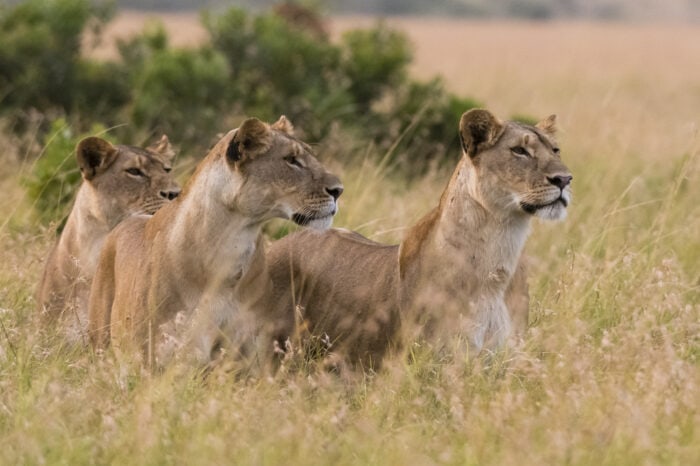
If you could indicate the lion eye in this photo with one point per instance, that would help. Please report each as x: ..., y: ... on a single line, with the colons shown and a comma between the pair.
x: 556, y: 150
x: 291, y: 160
x: 135, y: 172
x: 519, y: 150
x: 167, y: 169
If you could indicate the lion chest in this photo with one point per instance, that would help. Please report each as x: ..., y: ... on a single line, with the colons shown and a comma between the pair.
x: 206, y: 307
x: 195, y: 333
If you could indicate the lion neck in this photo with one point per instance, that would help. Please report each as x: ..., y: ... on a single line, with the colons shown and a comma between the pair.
x: 460, y: 259
x: 86, y: 229
x: 483, y: 241
x: 206, y: 235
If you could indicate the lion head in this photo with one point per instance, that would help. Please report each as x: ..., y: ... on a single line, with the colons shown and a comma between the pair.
x: 518, y: 166
x: 125, y: 180
x: 279, y: 175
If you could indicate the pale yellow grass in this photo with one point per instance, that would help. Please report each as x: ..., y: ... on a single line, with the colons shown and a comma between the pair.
x: 609, y: 373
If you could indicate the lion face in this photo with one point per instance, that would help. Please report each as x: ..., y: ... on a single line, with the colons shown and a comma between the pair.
x: 519, y: 166
x: 127, y: 180
x: 281, y: 176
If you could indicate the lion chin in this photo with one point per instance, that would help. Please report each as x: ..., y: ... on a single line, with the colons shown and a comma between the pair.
x: 321, y: 222
x: 555, y: 210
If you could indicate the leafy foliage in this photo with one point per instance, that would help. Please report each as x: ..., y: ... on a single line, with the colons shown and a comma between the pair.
x: 262, y: 64
x: 178, y: 91
x: 375, y: 60
x: 279, y: 68
x: 40, y: 63
x: 422, y: 124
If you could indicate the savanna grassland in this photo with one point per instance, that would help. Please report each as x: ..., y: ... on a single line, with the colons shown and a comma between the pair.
x: 608, y: 374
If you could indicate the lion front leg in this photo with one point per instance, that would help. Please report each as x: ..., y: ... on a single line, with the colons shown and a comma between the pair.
x: 102, y: 298
x: 517, y: 299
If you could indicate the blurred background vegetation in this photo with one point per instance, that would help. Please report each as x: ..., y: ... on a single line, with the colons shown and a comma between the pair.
x: 264, y: 63
x: 352, y: 95
x: 534, y: 9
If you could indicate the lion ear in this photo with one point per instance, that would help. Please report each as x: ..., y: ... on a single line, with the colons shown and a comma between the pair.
x: 252, y: 138
x: 163, y: 148
x: 284, y: 125
x: 548, y: 125
x: 94, y: 156
x: 477, y: 129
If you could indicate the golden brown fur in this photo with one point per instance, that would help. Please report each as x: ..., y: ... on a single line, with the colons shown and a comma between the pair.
x: 181, y: 283
x: 346, y: 288
x: 455, y: 270
x: 118, y: 181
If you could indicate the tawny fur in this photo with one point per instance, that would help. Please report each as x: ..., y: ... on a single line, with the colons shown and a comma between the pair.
x: 118, y: 181
x: 180, y: 284
x: 458, y: 272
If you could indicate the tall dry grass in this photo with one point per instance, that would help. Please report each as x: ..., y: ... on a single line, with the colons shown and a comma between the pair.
x: 609, y: 372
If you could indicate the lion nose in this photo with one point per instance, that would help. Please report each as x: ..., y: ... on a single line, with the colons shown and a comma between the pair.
x: 170, y: 195
x: 335, y: 191
x: 560, y: 181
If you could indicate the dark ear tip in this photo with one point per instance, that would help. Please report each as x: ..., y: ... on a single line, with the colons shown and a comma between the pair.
x: 477, y: 115
x: 93, y: 144
x: 86, y: 143
x: 232, y: 152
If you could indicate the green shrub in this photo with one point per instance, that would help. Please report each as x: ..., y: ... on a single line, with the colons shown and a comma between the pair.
x: 262, y: 64
x: 137, y: 50
x: 181, y: 92
x: 102, y: 90
x: 40, y: 63
x: 177, y: 91
x: 55, y: 176
x: 523, y: 118
x: 374, y: 60
x: 420, y: 125
x: 277, y: 68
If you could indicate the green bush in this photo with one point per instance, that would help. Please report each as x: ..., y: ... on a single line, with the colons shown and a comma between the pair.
x: 55, y: 176
x: 177, y: 91
x: 181, y: 92
x: 523, y: 118
x: 374, y: 61
x: 40, y: 63
x: 421, y: 125
x: 102, y: 89
x: 138, y: 49
x: 263, y: 64
x: 278, y: 68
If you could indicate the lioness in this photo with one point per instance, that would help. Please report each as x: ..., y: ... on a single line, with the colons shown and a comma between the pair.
x: 455, y: 269
x: 179, y: 283
x: 117, y: 181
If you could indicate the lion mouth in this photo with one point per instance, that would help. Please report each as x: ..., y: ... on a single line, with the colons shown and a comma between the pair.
x: 149, y: 208
x: 303, y: 220
x: 532, y: 208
